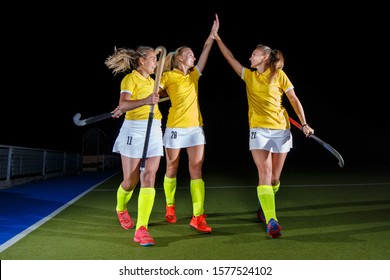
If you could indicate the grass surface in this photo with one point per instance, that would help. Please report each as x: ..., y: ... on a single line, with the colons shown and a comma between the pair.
x: 324, y: 216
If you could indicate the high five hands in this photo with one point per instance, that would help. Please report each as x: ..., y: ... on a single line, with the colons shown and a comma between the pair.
x: 215, y: 27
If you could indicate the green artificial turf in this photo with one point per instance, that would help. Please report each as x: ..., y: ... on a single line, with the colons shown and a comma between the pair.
x: 324, y: 216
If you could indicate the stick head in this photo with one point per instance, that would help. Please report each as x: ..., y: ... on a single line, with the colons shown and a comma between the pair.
x: 77, y: 121
x: 341, y: 162
x: 162, y: 50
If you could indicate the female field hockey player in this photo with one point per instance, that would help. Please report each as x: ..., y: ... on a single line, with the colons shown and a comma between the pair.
x: 184, y: 128
x: 270, y: 138
x: 136, y: 97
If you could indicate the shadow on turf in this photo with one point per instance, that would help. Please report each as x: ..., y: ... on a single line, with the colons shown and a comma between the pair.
x: 346, y: 220
x: 332, y: 223
x: 223, y: 224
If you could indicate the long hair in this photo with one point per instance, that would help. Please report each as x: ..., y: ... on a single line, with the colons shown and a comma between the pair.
x: 171, y: 58
x: 125, y: 60
x: 276, y: 59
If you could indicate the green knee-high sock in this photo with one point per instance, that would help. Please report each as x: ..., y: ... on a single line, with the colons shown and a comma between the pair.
x: 276, y: 187
x: 122, y: 199
x: 267, y: 200
x: 170, y: 190
x: 145, y: 205
x: 197, y: 195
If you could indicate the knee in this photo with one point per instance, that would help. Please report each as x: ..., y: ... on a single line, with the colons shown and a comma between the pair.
x: 129, y: 183
x: 148, y: 178
x: 274, y: 181
x: 196, y: 171
x: 171, y: 171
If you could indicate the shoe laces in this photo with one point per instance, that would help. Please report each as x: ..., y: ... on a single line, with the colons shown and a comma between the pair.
x: 124, y: 218
x: 143, y: 232
x: 170, y: 210
x: 272, y: 225
x: 202, y: 219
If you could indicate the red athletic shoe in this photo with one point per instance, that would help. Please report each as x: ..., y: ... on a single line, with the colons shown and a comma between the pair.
x: 260, y: 215
x: 125, y: 219
x: 170, y: 215
x: 199, y: 223
x: 274, y: 229
x: 143, y: 237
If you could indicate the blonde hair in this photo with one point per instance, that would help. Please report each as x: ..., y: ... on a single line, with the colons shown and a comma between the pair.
x: 125, y: 60
x: 171, y: 58
x: 275, y: 61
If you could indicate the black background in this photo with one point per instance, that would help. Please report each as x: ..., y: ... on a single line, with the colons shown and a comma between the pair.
x: 336, y: 56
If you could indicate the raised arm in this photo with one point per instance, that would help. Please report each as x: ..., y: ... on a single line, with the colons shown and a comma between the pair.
x: 237, y: 67
x: 206, y: 48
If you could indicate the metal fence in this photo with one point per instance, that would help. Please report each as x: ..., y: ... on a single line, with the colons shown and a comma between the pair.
x: 19, y: 164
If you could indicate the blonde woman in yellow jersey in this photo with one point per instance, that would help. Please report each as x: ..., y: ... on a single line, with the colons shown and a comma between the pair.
x: 270, y: 138
x: 136, y: 96
x: 184, y: 129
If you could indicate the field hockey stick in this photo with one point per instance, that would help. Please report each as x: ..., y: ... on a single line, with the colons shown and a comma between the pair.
x: 163, y: 52
x: 323, y: 143
x: 77, y: 121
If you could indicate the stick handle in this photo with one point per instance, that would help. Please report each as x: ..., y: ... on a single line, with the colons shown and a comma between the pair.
x: 295, y: 123
x: 162, y: 51
x: 160, y: 66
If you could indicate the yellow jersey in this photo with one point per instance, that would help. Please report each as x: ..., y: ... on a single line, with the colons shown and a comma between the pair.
x: 139, y: 87
x: 265, y: 107
x: 182, y: 90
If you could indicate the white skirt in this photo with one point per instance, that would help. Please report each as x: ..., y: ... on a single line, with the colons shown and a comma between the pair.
x: 176, y: 138
x: 273, y: 140
x: 131, y: 139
